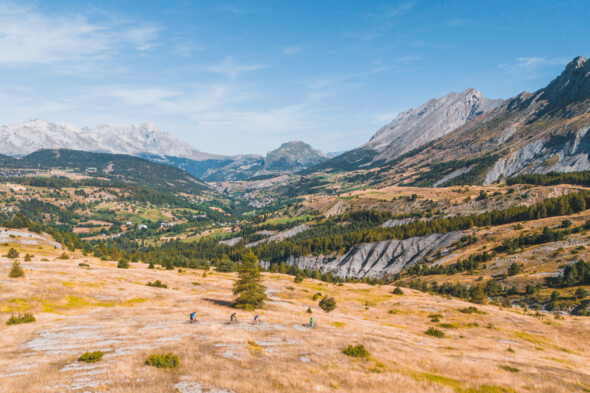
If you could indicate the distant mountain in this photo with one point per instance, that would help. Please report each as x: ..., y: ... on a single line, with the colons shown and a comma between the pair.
x: 293, y: 156
x: 428, y: 122
x: 30, y: 136
x: 149, y: 142
x: 540, y: 132
x: 467, y: 139
x: 333, y: 154
x: 414, y: 128
x: 121, y: 167
x: 290, y: 157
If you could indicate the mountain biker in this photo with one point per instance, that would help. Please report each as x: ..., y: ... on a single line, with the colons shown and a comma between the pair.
x: 312, y: 322
x: 233, y: 318
x: 193, y: 315
x: 255, y: 319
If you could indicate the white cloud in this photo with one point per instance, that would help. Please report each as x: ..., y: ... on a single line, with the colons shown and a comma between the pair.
x: 232, y: 69
x: 533, y: 63
x: 140, y: 96
x: 292, y: 50
x: 400, y: 9
x: 186, y: 48
x: 30, y: 37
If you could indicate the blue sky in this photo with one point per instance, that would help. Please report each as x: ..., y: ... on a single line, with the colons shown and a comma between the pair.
x: 245, y: 76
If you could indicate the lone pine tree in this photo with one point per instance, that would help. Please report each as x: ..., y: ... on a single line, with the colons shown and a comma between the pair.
x: 248, y: 288
x: 16, y: 270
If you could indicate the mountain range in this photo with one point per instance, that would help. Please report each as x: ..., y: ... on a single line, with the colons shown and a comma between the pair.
x: 466, y: 138
x: 457, y: 139
x: 148, y: 141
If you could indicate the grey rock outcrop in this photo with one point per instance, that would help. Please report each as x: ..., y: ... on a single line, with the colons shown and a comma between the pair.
x: 434, y: 119
x: 396, y: 222
x: 231, y: 242
x: 287, y: 233
x: 566, y: 148
x: 377, y: 259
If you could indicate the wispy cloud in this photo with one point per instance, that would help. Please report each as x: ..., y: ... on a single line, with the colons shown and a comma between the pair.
x: 533, y: 63
x: 458, y: 22
x: 382, y: 22
x: 139, y: 96
x: 234, y: 10
x: 292, y: 50
x: 31, y: 37
x: 230, y: 68
x: 186, y: 48
x: 399, y: 9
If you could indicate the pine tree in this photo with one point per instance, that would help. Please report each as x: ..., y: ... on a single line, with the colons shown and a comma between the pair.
x: 123, y: 263
x: 327, y: 303
x: 513, y: 269
x: 477, y: 294
x: 226, y: 265
x: 16, y: 270
x: 248, y: 288
x: 12, y: 253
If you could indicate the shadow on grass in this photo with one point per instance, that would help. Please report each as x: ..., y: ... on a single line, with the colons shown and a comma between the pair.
x: 225, y: 303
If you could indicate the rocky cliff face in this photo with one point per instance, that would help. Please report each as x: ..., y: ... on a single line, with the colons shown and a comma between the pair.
x: 560, y: 116
x: 414, y: 128
x: 378, y: 259
x: 428, y: 122
x: 538, y: 132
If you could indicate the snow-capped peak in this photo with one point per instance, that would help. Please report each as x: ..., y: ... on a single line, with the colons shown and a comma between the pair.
x: 146, y: 138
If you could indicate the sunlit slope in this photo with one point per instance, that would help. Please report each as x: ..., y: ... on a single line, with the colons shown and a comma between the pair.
x: 99, y: 307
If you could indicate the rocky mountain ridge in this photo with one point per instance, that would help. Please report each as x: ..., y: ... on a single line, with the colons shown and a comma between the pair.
x: 468, y: 139
x: 146, y: 138
x: 541, y: 132
x: 414, y: 128
x: 430, y: 121
x: 148, y: 141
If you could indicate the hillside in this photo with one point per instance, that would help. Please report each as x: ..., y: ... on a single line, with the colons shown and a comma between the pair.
x: 95, y: 306
x: 414, y: 128
x: 539, y: 132
x: 125, y: 168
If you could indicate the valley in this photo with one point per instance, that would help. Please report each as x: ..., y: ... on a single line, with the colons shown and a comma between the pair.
x: 454, y: 246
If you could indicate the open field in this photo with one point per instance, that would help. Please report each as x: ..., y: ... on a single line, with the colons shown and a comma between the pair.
x: 100, y: 307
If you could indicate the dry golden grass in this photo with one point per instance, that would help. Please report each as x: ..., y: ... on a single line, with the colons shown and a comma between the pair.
x: 103, y: 308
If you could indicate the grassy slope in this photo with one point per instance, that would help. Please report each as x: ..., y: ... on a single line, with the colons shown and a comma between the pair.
x: 104, y: 308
